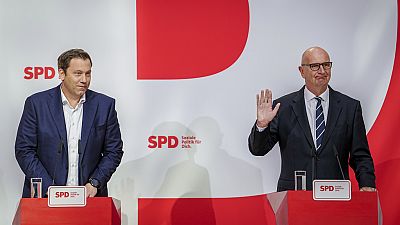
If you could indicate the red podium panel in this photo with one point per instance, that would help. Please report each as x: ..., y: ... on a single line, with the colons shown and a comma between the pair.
x: 98, y: 211
x: 248, y: 210
x: 299, y: 208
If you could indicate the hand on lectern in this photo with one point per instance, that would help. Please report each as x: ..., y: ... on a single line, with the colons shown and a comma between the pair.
x: 90, y: 190
x: 367, y: 189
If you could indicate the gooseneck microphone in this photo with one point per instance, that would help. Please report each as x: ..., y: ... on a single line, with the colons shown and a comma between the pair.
x: 313, y: 156
x: 338, y: 161
x: 80, y: 172
x: 61, y: 145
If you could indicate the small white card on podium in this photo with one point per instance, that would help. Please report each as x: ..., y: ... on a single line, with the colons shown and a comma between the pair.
x: 66, y: 196
x: 333, y: 190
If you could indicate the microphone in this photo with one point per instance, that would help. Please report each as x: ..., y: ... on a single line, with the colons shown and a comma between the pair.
x: 313, y: 155
x: 338, y: 161
x: 80, y: 172
x: 57, y: 159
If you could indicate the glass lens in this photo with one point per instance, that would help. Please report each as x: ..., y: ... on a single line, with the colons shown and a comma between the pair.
x: 327, y: 65
x: 314, y: 66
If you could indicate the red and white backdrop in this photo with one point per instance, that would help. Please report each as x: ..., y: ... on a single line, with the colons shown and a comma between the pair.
x: 185, y: 75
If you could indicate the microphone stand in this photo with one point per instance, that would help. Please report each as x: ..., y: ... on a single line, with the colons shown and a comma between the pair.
x: 338, y: 161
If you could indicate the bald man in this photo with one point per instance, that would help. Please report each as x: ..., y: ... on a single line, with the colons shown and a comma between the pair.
x: 316, y: 127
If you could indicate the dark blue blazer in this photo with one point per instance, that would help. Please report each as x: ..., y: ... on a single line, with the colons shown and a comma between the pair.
x: 41, y: 146
x: 345, y: 132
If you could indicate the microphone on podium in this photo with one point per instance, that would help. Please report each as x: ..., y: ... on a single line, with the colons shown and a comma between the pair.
x: 57, y: 159
x: 80, y: 172
x: 338, y: 161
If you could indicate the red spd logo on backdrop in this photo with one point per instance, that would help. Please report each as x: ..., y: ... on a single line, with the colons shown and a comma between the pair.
x: 172, y: 142
x: 180, y: 39
x: 39, y: 72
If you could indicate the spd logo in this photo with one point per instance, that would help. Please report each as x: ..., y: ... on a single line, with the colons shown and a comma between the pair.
x: 327, y: 188
x: 172, y: 142
x: 63, y: 194
x: 39, y: 72
x: 160, y: 141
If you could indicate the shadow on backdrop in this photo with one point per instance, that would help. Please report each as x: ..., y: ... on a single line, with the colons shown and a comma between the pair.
x: 229, y: 176
x: 143, y: 177
x: 188, y: 186
x: 180, y: 185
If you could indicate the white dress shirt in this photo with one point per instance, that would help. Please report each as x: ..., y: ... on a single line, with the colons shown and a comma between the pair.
x: 73, y: 125
x: 311, y: 103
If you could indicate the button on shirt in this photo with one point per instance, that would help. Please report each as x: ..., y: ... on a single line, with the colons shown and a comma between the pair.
x: 73, y: 124
x: 311, y: 104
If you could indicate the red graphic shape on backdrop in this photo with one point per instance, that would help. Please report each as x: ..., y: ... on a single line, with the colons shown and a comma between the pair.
x: 181, y: 39
x: 384, y: 143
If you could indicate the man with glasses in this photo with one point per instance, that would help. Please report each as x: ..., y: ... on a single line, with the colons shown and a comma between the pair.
x: 319, y: 130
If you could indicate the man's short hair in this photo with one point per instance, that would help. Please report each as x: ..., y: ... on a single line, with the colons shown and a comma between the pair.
x: 65, y: 58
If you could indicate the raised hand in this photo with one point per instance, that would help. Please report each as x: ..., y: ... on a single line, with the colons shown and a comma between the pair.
x: 265, y: 113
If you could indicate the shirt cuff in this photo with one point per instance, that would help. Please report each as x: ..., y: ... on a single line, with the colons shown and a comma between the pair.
x: 260, y: 129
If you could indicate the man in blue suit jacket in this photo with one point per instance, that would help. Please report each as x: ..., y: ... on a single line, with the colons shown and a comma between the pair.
x: 69, y: 135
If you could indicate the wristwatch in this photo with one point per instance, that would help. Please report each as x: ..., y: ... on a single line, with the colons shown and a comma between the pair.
x: 94, y: 182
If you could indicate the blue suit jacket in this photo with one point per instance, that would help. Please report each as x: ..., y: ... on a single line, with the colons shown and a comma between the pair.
x: 41, y: 146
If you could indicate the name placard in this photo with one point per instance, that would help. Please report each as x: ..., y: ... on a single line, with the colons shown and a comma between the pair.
x: 332, y: 190
x: 66, y: 196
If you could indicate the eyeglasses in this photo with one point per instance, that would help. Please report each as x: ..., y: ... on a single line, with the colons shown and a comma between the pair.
x: 316, y: 66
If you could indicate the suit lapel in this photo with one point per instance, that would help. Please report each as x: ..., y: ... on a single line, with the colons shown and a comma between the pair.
x: 299, y: 109
x: 89, y: 113
x: 335, y: 108
x: 57, y: 113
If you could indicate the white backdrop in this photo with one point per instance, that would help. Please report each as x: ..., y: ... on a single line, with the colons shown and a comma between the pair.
x: 360, y: 36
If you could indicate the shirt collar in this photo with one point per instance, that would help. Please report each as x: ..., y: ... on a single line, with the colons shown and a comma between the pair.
x: 64, y: 99
x: 308, y: 95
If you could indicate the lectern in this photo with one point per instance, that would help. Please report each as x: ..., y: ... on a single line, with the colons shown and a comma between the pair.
x: 98, y: 211
x: 299, y: 208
